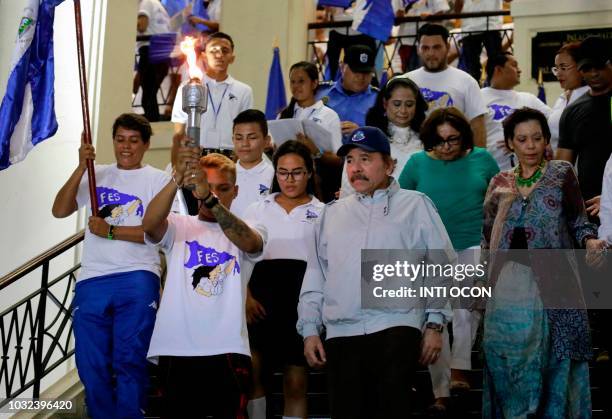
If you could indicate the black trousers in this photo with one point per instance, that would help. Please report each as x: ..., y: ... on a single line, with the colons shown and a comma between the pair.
x: 370, y: 376
x: 151, y: 77
x: 202, y: 386
x: 472, y: 47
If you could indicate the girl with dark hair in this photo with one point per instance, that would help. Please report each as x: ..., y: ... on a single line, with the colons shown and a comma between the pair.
x: 304, y: 81
x: 399, y: 111
x: 289, y: 214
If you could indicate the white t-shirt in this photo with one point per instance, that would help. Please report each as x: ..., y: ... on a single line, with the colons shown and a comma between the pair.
x: 214, y: 10
x: 500, y: 104
x: 253, y: 185
x: 289, y: 235
x: 450, y: 87
x: 417, y: 9
x: 159, y: 21
x: 226, y: 99
x: 123, y: 197
x: 404, y: 143
x: 557, y: 110
x: 605, y: 213
x: 480, y: 23
x: 199, y: 315
x: 326, y: 116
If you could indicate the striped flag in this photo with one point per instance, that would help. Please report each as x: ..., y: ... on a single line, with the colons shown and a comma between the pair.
x: 276, y: 100
x: 374, y: 18
x: 27, y: 112
x: 541, y: 91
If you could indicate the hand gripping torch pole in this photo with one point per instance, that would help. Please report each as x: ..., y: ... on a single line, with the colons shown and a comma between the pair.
x: 194, y: 104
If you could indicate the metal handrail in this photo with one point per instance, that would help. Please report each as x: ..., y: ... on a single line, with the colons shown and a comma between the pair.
x: 405, y: 19
x: 38, y: 261
x: 34, y: 339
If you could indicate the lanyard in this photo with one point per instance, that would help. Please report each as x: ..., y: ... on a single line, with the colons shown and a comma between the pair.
x: 212, y: 103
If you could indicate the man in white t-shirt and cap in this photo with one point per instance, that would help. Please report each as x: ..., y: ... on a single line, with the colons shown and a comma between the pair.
x: 443, y: 85
x: 200, y: 337
x: 503, y: 74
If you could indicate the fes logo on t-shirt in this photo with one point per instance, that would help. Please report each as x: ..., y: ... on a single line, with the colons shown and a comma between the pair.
x: 116, y: 207
x: 212, y: 268
x: 263, y: 189
x: 437, y: 99
x: 500, y: 111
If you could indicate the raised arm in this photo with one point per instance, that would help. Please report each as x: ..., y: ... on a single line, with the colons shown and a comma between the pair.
x: 65, y: 201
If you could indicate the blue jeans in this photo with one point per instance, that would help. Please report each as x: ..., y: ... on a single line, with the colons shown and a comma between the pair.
x: 113, y: 319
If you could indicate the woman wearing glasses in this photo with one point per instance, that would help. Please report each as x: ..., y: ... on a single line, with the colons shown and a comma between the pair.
x: 571, y: 82
x: 536, y: 343
x: 289, y: 214
x: 454, y: 175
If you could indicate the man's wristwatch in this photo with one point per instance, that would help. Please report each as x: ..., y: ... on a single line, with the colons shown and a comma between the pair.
x: 438, y: 327
x: 210, y: 201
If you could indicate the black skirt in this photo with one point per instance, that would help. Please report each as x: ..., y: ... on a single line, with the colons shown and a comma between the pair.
x: 276, y: 284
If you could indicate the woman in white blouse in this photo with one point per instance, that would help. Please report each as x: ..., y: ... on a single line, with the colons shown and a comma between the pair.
x: 289, y: 214
x: 304, y: 81
x: 399, y: 111
x: 569, y: 77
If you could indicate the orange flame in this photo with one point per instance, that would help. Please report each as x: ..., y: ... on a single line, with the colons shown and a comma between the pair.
x: 188, y: 48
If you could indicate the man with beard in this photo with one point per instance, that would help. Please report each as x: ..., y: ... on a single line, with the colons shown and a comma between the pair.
x: 443, y: 85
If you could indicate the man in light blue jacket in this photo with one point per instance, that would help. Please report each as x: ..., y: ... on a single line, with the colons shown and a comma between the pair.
x: 371, y: 353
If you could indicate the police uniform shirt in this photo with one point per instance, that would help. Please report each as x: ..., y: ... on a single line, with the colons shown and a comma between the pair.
x: 349, y: 107
x: 226, y: 99
x: 253, y: 184
x: 289, y: 234
x: 325, y: 116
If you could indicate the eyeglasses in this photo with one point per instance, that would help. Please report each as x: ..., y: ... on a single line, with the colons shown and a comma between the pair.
x: 295, y: 174
x: 564, y: 68
x: 451, y: 141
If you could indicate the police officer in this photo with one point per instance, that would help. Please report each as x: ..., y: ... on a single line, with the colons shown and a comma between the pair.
x: 352, y: 95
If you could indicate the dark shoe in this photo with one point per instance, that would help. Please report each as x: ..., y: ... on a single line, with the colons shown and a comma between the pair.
x: 438, y: 409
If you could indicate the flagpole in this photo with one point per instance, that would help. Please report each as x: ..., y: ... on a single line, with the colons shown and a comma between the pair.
x: 91, y: 176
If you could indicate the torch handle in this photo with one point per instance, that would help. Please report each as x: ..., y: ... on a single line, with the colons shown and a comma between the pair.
x: 193, y: 134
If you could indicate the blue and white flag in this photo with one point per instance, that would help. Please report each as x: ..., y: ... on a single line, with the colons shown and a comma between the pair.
x: 541, y: 91
x: 174, y: 6
x: 276, y: 100
x: 335, y: 3
x: 374, y: 18
x: 27, y: 112
x: 198, y: 10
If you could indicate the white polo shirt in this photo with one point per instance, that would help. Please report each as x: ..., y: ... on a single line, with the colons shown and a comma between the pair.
x: 323, y: 115
x: 450, y: 87
x: 289, y: 234
x: 226, y: 99
x: 253, y: 185
x: 500, y: 104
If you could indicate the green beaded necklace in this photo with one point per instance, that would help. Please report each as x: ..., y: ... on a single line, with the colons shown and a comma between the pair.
x: 526, y: 183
